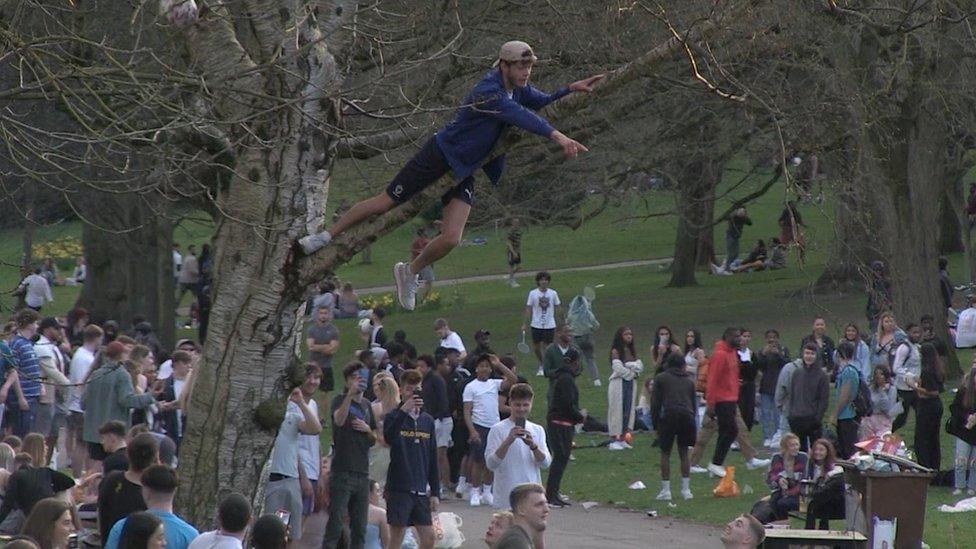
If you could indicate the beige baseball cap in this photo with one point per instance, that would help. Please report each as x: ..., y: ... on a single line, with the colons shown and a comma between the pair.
x: 515, y: 50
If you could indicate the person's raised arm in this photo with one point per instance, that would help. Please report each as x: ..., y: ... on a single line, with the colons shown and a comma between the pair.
x: 127, y: 396
x: 310, y: 424
x: 342, y: 411
x: 509, y: 377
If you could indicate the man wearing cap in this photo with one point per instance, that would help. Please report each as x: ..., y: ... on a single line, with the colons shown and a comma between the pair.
x: 502, y: 98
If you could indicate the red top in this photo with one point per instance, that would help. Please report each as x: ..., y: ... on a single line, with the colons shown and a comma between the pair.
x: 723, y: 375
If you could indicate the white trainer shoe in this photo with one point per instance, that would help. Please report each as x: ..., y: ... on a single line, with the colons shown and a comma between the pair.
x: 697, y: 469
x: 686, y: 493
x: 756, y: 463
x: 406, y: 285
x: 314, y: 242
x: 475, y: 500
x: 716, y: 470
x: 663, y: 495
x: 597, y: 383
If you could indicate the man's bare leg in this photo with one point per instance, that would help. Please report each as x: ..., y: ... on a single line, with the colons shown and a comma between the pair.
x: 455, y: 217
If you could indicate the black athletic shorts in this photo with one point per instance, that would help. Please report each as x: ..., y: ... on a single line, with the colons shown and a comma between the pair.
x: 677, y: 424
x: 514, y: 259
x: 406, y: 509
x: 543, y: 335
x: 96, y: 452
x: 476, y: 451
x: 426, y: 167
x: 327, y: 382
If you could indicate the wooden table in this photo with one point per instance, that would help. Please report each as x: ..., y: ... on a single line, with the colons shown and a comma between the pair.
x: 784, y: 538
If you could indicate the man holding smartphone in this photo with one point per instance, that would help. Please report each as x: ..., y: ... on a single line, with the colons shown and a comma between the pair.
x: 412, y: 481
x: 516, y: 450
x: 352, y: 436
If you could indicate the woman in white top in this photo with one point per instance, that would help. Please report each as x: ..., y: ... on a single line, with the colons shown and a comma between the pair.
x: 695, y: 357
x: 387, y: 399
x: 622, y: 391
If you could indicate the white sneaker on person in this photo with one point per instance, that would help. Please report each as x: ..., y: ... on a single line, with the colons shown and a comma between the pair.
x: 572, y: 457
x: 663, y: 495
x: 686, y: 493
x: 756, y: 463
x: 626, y: 445
x: 716, y: 470
x: 957, y: 492
x: 597, y: 383
x: 734, y: 447
x: 514, y: 283
x: 726, y: 273
x: 314, y: 242
x: 697, y: 469
x: 615, y: 445
x: 714, y: 268
x: 766, y: 443
x: 475, y: 500
x: 407, y: 285
x: 971, y: 492
x: 540, y: 372
x: 461, y: 489
x: 486, y: 496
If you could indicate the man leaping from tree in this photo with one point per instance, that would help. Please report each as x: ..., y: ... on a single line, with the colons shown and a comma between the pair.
x: 502, y: 98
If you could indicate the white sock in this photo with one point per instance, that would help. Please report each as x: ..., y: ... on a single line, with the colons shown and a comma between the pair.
x: 665, y: 485
x: 486, y: 488
x: 462, y: 480
x: 685, y: 483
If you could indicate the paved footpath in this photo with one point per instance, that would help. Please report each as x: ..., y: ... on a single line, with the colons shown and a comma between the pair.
x: 574, y: 528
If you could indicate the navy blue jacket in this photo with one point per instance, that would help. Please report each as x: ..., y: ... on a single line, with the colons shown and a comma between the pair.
x: 486, y: 111
x: 413, y: 453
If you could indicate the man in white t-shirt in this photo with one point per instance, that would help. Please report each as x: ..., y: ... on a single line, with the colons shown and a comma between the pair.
x: 309, y: 446
x: 177, y: 263
x: 233, y: 518
x: 284, y: 490
x: 166, y: 368
x: 516, y: 451
x: 480, y: 398
x: 449, y: 338
x: 966, y: 326
x: 81, y: 363
x: 541, y: 309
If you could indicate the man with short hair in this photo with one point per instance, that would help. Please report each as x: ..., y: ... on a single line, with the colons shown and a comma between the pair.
x: 377, y: 335
x: 112, y: 436
x: 173, y: 421
x: 907, y: 368
x: 552, y: 359
x: 120, y: 492
x: 309, y: 446
x: 501, y: 99
x: 436, y: 404
x: 36, y: 290
x: 233, y: 518
x: 284, y: 490
x: 722, y: 395
x: 166, y: 368
x: 480, y: 399
x: 28, y: 366
x: 52, y: 404
x: 412, y: 481
x: 449, y: 338
x: 159, y: 485
x: 966, y: 325
x: 540, y: 313
x: 352, y: 436
x: 81, y: 363
x: 516, y: 450
x: 809, y: 394
x: 323, y: 342
x: 563, y: 416
x: 743, y: 532
x: 530, y: 510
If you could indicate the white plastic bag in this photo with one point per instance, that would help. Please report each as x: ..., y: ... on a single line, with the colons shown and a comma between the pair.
x: 884, y: 533
x: 447, y: 530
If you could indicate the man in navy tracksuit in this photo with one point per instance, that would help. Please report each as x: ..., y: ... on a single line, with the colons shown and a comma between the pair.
x: 412, y: 481
x: 502, y: 98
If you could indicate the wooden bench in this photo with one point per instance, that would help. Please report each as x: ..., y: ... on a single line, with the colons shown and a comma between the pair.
x: 784, y: 538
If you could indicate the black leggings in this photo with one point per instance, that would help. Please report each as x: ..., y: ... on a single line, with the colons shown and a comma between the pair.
x: 560, y: 444
x: 727, y: 430
x: 928, y: 427
x: 809, y: 429
x: 908, y: 400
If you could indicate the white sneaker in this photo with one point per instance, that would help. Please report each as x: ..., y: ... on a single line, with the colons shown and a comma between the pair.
x: 462, y: 489
x: 597, y: 383
x: 406, y: 286
x: 486, y: 496
x: 540, y: 372
x: 514, y: 283
x: 626, y: 445
x: 726, y: 273
x: 957, y: 492
x: 615, y: 445
x: 716, y: 470
x: 314, y: 242
x: 756, y: 463
x: 971, y: 492
x: 686, y: 493
x: 714, y: 268
x: 734, y: 447
x: 766, y: 442
x: 475, y: 500
x: 697, y: 469
x: 664, y: 495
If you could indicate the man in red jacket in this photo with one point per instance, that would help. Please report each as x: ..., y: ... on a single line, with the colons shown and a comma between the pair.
x: 722, y: 395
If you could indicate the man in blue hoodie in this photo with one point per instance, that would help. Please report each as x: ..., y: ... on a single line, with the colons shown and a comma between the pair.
x: 412, y: 481
x: 502, y: 98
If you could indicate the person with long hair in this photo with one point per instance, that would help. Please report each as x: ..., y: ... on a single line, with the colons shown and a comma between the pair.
x: 827, y: 500
x: 50, y: 523
x: 790, y: 226
x: 387, y: 399
x: 885, y: 340
x: 928, y: 414
x: 32, y: 482
x: 664, y: 345
x: 862, y: 354
x: 377, y: 530
x: 962, y: 425
x: 748, y: 372
x: 787, y: 469
x: 143, y: 530
x: 884, y: 404
x: 625, y: 366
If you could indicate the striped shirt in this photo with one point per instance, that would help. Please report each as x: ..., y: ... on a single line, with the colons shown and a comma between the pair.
x: 28, y: 366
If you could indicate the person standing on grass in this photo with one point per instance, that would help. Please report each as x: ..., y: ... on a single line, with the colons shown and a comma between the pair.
x: 673, y: 412
x: 847, y: 385
x: 552, y: 359
x: 809, y: 395
x: 437, y: 404
x: 622, y: 388
x: 563, y: 416
x: 449, y: 338
x: 825, y: 345
x: 733, y: 233
x: 769, y: 362
x: 907, y: 367
x: 862, y: 354
x: 412, y: 482
x: 501, y: 99
x: 540, y: 313
x: 516, y: 450
x: 23, y: 405
x: 309, y: 446
x: 352, y: 437
x: 36, y: 290
x: 748, y: 371
x: 722, y: 395
x: 159, y: 485
x: 480, y: 399
x: 513, y: 245
x: 962, y: 425
x: 582, y: 324
x: 928, y: 418
x: 323, y: 342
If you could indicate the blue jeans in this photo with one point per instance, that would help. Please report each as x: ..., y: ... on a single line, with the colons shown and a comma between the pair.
x: 731, y: 249
x: 22, y: 421
x: 768, y: 415
x: 965, y: 461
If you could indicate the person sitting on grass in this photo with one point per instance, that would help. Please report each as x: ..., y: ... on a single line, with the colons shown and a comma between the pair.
x: 761, y: 259
x: 743, y: 532
x: 827, y: 501
x: 786, y: 471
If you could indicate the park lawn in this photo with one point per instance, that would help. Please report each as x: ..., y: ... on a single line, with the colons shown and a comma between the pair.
x: 636, y: 297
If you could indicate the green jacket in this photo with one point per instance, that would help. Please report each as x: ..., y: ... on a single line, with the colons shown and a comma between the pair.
x: 108, y: 396
x: 552, y: 360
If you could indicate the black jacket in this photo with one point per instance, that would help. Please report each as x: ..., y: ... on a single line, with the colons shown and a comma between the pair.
x: 28, y: 485
x: 564, y: 404
x: 413, y: 453
x: 673, y: 393
x: 956, y: 426
x: 435, y: 396
x: 769, y: 365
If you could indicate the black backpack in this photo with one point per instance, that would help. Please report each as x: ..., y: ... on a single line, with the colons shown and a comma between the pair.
x: 862, y: 399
